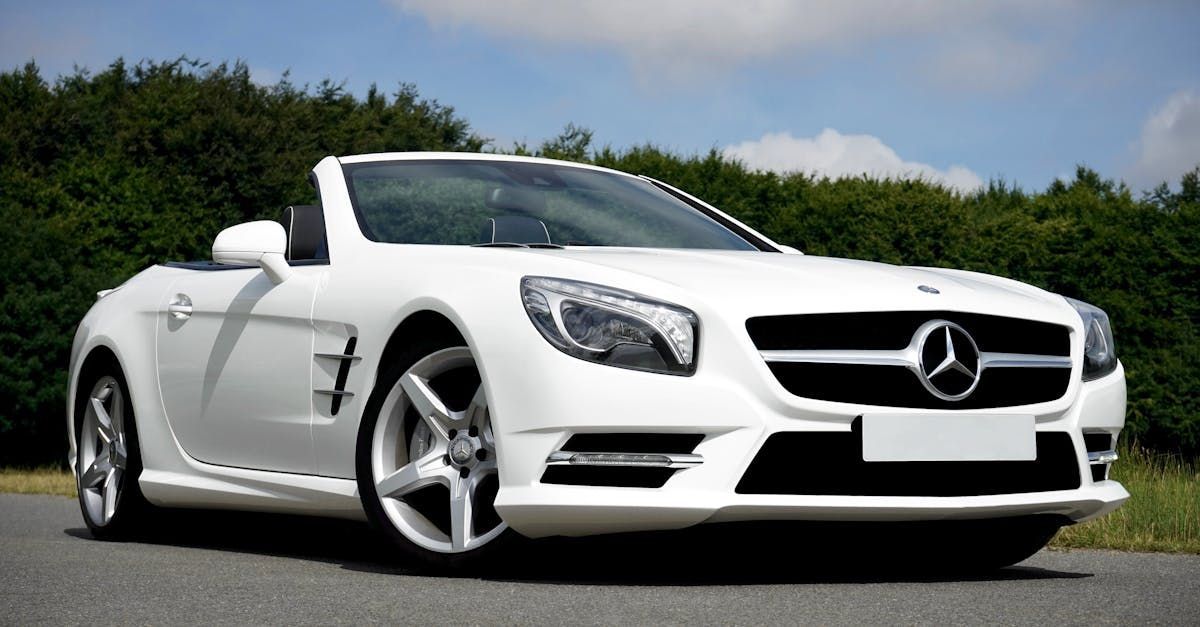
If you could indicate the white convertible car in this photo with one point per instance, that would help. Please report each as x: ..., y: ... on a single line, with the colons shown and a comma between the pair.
x: 464, y: 348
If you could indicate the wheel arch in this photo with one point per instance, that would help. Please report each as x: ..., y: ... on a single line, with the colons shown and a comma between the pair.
x: 421, y: 323
x: 97, y: 358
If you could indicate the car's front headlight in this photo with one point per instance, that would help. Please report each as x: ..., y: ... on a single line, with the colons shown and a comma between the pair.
x: 611, y: 326
x: 1099, y: 352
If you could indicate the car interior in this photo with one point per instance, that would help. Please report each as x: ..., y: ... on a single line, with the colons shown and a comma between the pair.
x: 305, y: 228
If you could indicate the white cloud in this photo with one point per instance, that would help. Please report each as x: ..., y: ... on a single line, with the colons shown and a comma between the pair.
x: 674, y: 39
x: 1170, y: 142
x: 993, y: 63
x: 833, y: 154
x: 262, y: 76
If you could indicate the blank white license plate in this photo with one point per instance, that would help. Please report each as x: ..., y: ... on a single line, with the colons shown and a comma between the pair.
x: 948, y: 437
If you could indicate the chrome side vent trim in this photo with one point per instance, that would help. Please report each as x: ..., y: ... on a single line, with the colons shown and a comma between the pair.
x: 1102, y: 457
x: 335, y: 393
x: 337, y: 356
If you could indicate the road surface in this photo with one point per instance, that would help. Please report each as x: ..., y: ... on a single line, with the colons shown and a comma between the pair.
x: 242, y: 568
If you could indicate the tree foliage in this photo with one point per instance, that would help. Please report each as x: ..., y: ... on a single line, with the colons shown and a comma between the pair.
x: 102, y: 175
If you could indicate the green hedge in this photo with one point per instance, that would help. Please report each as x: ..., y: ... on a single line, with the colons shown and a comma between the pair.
x: 102, y: 175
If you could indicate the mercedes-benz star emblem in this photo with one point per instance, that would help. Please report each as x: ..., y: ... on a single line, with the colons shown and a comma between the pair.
x: 460, y: 450
x: 948, y: 362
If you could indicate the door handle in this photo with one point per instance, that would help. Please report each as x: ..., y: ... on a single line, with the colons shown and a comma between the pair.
x: 180, y: 307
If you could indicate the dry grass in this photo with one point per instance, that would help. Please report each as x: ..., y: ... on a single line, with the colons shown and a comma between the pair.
x: 1163, y: 515
x: 37, y: 481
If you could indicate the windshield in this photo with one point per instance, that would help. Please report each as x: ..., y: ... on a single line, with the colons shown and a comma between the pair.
x: 504, y: 202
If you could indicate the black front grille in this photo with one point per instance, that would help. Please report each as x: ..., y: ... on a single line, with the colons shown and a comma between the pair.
x: 892, y: 330
x: 896, y: 386
x: 831, y: 463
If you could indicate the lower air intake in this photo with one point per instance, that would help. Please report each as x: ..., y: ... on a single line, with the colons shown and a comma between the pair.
x: 829, y: 463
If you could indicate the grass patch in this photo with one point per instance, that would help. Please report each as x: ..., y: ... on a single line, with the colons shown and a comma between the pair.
x: 37, y: 481
x: 1162, y: 513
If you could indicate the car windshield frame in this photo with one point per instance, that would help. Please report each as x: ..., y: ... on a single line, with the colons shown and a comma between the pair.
x: 739, y: 238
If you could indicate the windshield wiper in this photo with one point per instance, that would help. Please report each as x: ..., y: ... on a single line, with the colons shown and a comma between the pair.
x: 516, y: 245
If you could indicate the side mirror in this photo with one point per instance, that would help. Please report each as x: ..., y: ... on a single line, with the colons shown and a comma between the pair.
x: 258, y: 243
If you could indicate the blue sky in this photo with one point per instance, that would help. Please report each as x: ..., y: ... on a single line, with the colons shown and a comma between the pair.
x: 957, y: 91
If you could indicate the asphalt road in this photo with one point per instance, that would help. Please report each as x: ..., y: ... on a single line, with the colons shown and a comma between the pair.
x: 239, y: 568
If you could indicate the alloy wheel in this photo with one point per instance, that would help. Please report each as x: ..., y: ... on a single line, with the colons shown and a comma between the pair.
x: 103, y: 451
x: 433, y: 455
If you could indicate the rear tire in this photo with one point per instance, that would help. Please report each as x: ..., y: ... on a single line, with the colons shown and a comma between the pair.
x: 430, y: 406
x: 108, y: 460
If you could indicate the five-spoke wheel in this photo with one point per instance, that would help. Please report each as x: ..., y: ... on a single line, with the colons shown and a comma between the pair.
x: 107, y: 461
x: 432, y: 457
x: 103, y: 454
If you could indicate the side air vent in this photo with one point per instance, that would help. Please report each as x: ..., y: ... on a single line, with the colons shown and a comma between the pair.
x: 346, y: 358
x: 628, y: 460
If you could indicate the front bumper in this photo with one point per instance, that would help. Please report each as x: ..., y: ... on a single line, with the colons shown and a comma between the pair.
x: 736, y: 410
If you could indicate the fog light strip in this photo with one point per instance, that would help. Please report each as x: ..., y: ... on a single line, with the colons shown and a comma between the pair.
x: 636, y: 460
x: 1102, y: 457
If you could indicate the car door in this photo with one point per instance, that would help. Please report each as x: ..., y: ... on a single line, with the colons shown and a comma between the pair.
x: 234, y: 358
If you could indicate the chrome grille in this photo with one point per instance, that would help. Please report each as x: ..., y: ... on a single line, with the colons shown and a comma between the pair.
x: 885, y: 358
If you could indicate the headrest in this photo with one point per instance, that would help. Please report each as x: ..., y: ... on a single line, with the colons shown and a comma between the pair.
x: 305, y: 228
x: 514, y: 230
x: 515, y: 199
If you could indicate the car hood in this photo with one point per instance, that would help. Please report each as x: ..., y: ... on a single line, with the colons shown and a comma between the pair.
x: 769, y: 283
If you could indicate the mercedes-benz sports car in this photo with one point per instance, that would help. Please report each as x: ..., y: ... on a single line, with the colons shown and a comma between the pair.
x: 464, y: 349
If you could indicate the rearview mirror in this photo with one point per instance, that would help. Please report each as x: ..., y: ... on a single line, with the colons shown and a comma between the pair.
x: 258, y: 243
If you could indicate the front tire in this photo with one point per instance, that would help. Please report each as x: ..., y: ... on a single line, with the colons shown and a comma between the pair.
x: 107, y: 458
x: 426, y: 458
